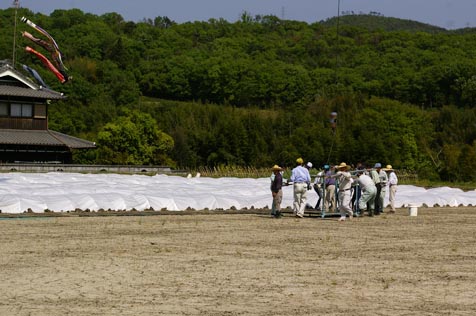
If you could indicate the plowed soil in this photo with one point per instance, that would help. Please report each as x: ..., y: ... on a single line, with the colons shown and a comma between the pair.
x: 240, y: 264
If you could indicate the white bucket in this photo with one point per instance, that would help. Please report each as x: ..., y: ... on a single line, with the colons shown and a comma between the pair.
x: 412, y: 209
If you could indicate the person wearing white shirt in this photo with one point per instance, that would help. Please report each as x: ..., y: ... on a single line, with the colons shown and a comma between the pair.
x: 383, y: 188
x: 344, y: 179
x: 392, y: 183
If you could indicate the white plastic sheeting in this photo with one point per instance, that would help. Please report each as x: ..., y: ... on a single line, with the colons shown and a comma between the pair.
x: 61, y: 192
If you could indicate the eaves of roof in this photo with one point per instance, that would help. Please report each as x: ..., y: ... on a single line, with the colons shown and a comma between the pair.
x: 42, y: 138
x: 14, y: 91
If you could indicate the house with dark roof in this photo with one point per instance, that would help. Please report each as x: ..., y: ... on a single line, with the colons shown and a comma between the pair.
x: 24, y: 132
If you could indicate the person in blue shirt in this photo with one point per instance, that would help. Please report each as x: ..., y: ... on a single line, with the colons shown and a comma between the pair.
x: 301, y: 180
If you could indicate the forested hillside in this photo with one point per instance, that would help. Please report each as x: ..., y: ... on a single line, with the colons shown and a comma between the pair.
x: 259, y: 91
x: 376, y: 21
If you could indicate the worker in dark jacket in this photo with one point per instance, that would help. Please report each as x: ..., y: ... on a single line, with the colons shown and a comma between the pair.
x: 276, y: 190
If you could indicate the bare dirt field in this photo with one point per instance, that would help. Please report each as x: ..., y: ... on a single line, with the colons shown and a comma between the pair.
x: 240, y: 264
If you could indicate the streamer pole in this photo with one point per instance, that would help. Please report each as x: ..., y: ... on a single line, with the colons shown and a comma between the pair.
x: 16, y: 4
x: 337, y: 43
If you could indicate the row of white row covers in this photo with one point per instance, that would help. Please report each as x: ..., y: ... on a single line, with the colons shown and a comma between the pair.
x: 63, y: 192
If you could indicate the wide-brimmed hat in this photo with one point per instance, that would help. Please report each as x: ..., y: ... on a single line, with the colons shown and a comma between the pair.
x: 300, y: 161
x: 343, y: 165
x: 276, y: 167
x: 388, y: 168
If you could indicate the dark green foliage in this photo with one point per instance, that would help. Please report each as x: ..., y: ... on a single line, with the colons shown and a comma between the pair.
x: 133, y: 139
x: 376, y: 21
x: 259, y: 91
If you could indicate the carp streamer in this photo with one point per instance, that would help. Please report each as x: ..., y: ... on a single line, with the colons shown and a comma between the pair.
x: 57, y: 67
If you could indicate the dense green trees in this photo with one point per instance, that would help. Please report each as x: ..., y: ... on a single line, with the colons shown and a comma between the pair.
x: 259, y: 91
x: 134, y: 139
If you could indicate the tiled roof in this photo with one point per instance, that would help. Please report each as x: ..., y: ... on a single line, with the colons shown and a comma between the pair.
x: 14, y: 91
x: 12, y: 76
x: 71, y: 141
x: 42, y: 138
x: 14, y: 83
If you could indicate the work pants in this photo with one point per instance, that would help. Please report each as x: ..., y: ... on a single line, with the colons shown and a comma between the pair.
x: 391, y: 197
x: 299, y: 204
x: 383, y: 192
x: 345, y: 199
x: 330, y: 202
x: 368, y: 198
x: 276, y: 206
x: 319, y: 192
x: 377, y: 198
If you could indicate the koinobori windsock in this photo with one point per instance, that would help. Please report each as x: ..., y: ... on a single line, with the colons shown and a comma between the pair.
x: 35, y: 75
x: 47, y: 64
x: 51, y: 46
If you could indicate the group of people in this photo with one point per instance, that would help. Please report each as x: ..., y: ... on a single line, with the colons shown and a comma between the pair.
x: 358, y: 191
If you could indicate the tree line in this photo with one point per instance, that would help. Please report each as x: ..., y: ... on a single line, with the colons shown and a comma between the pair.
x: 259, y: 91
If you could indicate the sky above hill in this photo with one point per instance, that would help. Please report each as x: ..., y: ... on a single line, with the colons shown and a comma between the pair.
x: 449, y: 14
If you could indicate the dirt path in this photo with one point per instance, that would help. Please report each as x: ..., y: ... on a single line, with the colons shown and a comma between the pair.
x: 240, y: 264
